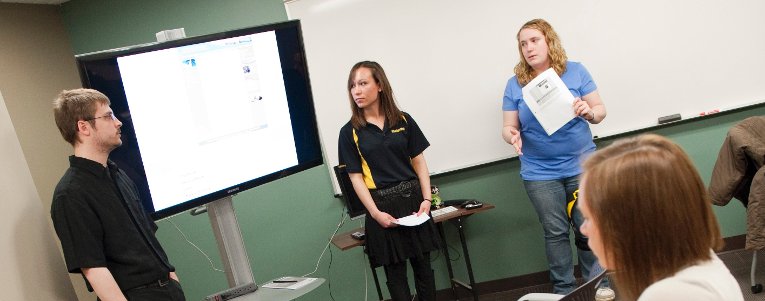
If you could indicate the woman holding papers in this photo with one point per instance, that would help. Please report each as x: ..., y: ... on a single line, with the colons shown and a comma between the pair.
x: 649, y: 219
x: 550, y: 164
x: 381, y: 147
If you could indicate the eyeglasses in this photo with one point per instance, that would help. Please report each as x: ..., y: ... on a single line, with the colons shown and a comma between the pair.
x: 109, y: 115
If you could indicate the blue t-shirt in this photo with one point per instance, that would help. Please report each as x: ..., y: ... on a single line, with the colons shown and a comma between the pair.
x: 557, y: 156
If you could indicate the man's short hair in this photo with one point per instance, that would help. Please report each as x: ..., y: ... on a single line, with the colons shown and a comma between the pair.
x: 71, y: 106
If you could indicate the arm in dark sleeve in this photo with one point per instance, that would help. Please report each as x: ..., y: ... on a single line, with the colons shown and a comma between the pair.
x: 79, y: 230
x: 347, y: 151
x: 417, y: 143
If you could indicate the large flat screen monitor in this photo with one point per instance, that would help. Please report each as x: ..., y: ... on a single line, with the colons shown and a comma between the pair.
x: 210, y: 116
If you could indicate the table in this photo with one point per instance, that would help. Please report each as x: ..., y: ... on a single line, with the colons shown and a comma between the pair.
x: 344, y: 241
x: 273, y: 294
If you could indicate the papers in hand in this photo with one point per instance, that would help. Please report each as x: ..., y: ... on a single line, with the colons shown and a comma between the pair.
x: 549, y: 100
x: 291, y: 283
x: 412, y: 220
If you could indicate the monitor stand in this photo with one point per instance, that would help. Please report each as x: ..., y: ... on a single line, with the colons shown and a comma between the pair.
x: 230, y: 244
x: 237, y: 264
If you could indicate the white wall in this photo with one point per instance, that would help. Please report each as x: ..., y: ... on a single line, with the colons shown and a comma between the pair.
x: 449, y: 61
x: 33, y: 268
x: 36, y: 62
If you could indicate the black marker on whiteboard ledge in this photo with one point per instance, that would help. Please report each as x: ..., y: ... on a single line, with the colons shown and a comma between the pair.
x: 669, y: 118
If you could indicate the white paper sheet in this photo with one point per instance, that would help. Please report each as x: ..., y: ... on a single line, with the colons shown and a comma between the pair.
x: 291, y: 283
x: 412, y: 220
x: 549, y: 100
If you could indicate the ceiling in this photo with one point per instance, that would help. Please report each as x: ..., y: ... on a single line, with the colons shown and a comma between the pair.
x: 34, y: 1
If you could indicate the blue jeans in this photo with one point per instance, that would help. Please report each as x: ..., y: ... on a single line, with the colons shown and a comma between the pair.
x: 549, y: 199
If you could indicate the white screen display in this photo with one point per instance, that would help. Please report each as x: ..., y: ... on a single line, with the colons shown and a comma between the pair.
x: 209, y: 116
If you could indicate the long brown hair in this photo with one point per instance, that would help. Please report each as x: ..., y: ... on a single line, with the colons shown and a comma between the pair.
x: 652, y: 209
x: 385, y: 97
x: 556, y: 53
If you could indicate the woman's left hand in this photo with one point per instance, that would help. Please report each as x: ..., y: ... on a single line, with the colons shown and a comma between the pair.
x: 424, y: 208
x: 582, y: 108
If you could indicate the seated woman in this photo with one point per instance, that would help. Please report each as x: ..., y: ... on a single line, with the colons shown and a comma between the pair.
x: 649, y: 219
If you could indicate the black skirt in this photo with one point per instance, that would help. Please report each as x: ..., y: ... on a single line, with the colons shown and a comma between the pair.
x: 393, y: 245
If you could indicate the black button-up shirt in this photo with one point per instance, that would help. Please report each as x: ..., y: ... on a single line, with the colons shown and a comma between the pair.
x: 99, y: 219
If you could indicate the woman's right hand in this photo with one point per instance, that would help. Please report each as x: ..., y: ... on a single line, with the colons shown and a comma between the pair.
x: 515, y: 140
x: 510, y: 132
x: 384, y: 219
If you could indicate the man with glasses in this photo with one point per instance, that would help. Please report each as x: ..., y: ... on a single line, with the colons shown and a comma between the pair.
x: 105, y: 233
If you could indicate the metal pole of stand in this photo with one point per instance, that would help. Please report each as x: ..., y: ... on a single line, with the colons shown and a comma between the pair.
x: 230, y: 243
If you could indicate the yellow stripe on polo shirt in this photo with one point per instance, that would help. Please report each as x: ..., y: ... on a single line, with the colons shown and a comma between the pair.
x: 365, y: 171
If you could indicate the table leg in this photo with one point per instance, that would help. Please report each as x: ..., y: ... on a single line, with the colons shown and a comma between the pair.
x: 445, y: 249
x: 377, y: 281
x: 460, y: 229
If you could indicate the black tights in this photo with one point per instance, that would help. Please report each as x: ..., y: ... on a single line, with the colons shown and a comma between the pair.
x: 424, y: 279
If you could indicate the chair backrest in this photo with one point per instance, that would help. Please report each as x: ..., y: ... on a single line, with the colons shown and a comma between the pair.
x: 353, y: 204
x: 587, y: 291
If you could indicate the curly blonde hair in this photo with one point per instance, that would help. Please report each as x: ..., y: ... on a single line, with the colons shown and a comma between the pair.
x: 556, y: 53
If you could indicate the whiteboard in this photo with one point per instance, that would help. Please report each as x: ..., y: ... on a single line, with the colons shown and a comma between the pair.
x: 448, y: 62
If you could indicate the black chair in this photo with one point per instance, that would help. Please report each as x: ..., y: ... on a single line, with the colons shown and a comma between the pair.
x: 352, y: 202
x: 355, y: 210
x: 585, y: 292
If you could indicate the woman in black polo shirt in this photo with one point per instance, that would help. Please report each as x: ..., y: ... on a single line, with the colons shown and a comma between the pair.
x: 381, y: 147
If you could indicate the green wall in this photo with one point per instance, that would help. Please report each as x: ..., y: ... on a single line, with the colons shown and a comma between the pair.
x: 287, y: 224
x: 95, y: 25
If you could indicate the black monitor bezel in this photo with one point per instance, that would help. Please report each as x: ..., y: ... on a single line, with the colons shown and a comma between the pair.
x: 311, y: 126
